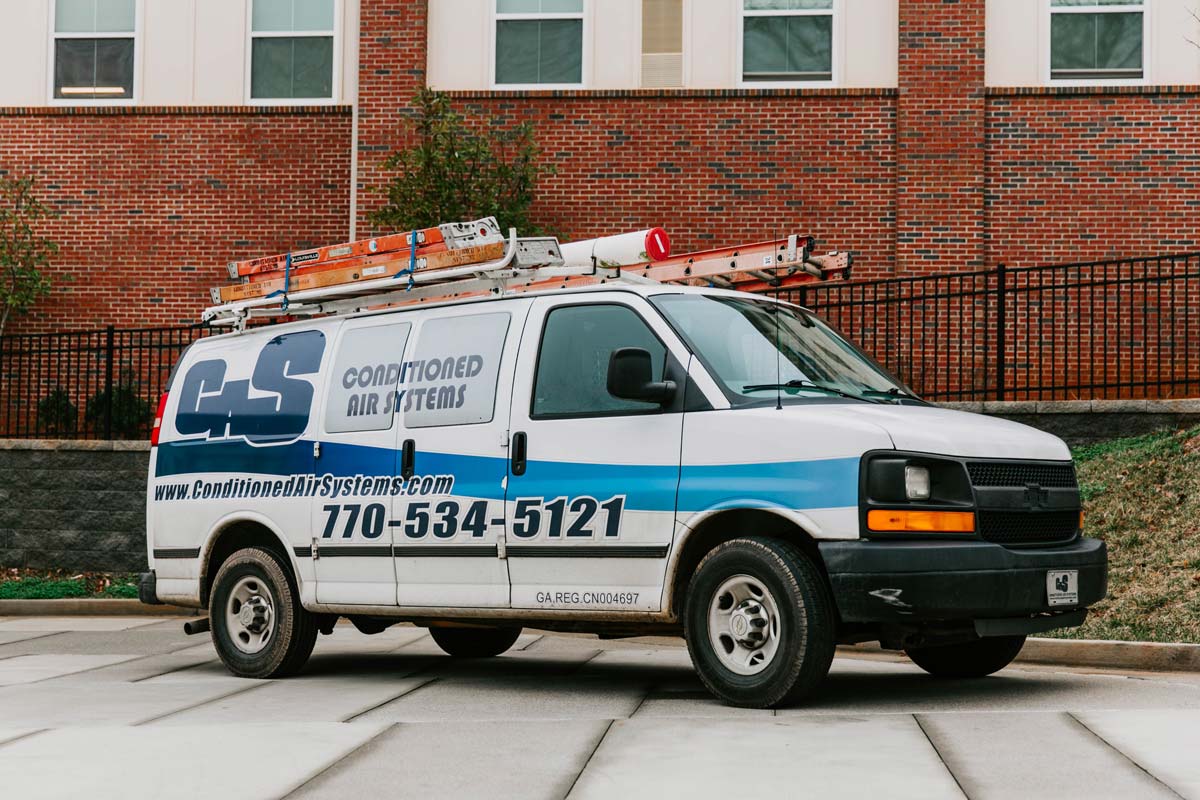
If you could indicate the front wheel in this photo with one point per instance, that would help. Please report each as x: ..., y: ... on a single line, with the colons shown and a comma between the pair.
x: 759, y: 623
x: 258, y: 626
x: 474, y: 642
x: 973, y: 659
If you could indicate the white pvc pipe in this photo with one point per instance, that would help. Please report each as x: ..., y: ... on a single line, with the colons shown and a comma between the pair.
x: 623, y: 249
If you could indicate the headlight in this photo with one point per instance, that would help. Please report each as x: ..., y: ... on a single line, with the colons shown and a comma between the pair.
x: 916, y: 482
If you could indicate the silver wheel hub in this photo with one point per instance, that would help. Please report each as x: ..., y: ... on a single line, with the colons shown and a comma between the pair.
x: 743, y: 625
x: 250, y: 615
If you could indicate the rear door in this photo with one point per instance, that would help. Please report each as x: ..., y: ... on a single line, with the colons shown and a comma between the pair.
x: 455, y: 390
x: 355, y: 464
x: 592, y: 514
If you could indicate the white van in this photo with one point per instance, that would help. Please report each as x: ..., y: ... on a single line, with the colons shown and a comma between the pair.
x: 621, y: 460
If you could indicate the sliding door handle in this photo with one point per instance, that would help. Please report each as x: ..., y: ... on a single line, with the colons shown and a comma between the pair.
x: 408, y: 459
x: 518, y: 450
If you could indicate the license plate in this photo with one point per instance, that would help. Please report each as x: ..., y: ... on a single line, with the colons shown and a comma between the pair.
x: 1062, y: 587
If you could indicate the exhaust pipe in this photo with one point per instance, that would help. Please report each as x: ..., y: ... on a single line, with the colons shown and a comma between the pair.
x: 194, y: 626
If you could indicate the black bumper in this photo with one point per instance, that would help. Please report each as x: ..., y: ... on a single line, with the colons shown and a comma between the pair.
x: 148, y: 589
x: 958, y: 581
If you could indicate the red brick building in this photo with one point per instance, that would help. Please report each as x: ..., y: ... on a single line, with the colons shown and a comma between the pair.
x: 924, y: 135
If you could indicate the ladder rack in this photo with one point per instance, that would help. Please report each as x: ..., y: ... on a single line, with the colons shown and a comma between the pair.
x: 533, y: 264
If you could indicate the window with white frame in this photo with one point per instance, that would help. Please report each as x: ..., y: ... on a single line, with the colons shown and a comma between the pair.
x: 94, y: 43
x: 292, y: 49
x: 1097, y: 39
x: 785, y: 41
x: 539, y: 42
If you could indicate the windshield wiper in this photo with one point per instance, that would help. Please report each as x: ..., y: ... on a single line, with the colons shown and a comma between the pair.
x: 899, y: 394
x: 803, y: 384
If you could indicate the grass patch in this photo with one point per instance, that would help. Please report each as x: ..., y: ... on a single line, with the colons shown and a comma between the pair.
x: 16, y: 584
x: 1142, y: 496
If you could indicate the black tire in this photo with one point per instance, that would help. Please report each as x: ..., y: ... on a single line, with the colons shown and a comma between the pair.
x: 474, y: 642
x: 291, y: 640
x: 805, y: 629
x: 973, y: 659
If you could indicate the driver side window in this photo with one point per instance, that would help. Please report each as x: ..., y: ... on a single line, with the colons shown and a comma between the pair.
x: 572, y: 368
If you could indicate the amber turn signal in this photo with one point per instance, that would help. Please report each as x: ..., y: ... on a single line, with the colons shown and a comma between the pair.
x: 922, y: 521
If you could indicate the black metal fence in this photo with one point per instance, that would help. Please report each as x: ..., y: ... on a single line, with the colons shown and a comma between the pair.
x: 1110, y: 329
x: 101, y: 384
x: 1106, y: 329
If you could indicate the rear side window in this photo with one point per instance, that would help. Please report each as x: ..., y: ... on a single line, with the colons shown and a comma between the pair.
x: 451, y: 379
x: 572, y: 370
x: 362, y: 386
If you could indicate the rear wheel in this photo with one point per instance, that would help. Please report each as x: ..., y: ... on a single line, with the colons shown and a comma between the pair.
x: 474, y: 642
x: 258, y: 626
x: 968, y: 659
x: 759, y: 623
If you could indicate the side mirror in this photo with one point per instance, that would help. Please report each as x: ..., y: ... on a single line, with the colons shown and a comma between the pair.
x: 631, y: 377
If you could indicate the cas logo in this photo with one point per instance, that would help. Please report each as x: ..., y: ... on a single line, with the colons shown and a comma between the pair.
x: 272, y: 407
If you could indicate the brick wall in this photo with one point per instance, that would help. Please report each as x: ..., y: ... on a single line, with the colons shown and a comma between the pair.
x: 714, y: 167
x: 153, y: 202
x: 1081, y: 176
x: 940, y: 136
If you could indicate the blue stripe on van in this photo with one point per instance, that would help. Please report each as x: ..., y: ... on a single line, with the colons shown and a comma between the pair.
x: 825, y: 483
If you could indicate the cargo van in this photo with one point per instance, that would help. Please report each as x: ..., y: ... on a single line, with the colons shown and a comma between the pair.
x: 620, y: 459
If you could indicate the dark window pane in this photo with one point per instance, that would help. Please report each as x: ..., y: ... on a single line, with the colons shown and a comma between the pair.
x: 1097, y: 45
x: 291, y: 67
x: 572, y: 372
x: 87, y: 69
x: 539, y: 51
x: 787, y: 48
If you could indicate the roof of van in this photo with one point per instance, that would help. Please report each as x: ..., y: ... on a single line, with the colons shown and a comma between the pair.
x: 643, y: 289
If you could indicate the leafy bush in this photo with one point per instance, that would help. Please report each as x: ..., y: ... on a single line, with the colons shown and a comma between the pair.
x: 56, y: 414
x: 42, y: 589
x: 23, y: 253
x: 131, y: 411
x: 455, y: 172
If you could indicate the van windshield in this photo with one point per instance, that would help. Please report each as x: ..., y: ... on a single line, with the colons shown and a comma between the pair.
x: 756, y: 349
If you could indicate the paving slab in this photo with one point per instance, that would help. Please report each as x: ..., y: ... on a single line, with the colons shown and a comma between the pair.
x: 8, y: 637
x: 1164, y: 743
x: 496, y: 760
x: 300, y: 699
x: 31, y: 668
x: 225, y: 761
x: 998, y: 756
x: 55, y: 704
x: 76, y: 623
x: 822, y: 757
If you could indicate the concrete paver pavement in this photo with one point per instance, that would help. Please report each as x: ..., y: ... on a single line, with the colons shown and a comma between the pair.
x: 139, y: 709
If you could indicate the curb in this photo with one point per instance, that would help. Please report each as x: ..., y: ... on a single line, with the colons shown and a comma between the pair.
x: 1100, y: 653
x: 90, y: 607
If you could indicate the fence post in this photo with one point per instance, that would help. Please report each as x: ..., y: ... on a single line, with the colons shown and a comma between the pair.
x: 109, y: 357
x: 803, y: 296
x: 1001, y: 329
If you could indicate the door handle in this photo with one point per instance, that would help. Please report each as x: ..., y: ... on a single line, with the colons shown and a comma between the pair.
x: 518, y: 451
x: 408, y: 459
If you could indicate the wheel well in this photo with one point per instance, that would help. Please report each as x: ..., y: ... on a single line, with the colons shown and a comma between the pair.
x: 232, y: 538
x: 726, y: 525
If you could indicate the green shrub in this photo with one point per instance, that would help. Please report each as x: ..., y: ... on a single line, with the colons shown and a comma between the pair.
x: 131, y: 411
x: 56, y: 414
x: 42, y: 589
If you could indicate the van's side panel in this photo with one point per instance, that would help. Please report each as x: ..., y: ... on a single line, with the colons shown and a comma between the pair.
x: 235, y: 444
x: 802, y: 463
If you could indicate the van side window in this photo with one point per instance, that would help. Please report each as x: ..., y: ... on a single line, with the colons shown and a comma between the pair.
x: 362, y: 385
x: 451, y: 379
x: 572, y: 369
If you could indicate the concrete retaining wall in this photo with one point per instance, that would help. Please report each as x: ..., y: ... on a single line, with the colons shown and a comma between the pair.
x: 81, y: 505
x: 1081, y: 422
x: 73, y: 505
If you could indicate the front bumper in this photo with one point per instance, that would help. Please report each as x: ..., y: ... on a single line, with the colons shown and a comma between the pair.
x: 920, y: 582
x: 148, y: 589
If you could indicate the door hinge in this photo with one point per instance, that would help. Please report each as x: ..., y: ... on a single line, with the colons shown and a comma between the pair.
x: 315, y: 553
x: 316, y: 449
x: 500, y: 551
x: 504, y: 441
